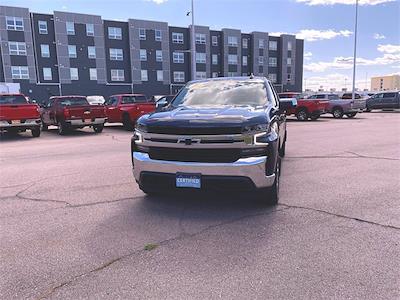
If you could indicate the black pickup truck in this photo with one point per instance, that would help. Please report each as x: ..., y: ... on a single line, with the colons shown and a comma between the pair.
x: 224, y: 134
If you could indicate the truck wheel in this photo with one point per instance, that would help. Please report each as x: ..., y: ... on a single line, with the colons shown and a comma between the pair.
x: 126, y: 120
x: 351, y: 115
x: 282, y: 150
x: 270, y: 195
x: 302, y: 114
x: 98, y: 128
x: 337, y: 113
x: 314, y: 116
x: 35, y: 131
x: 62, y: 128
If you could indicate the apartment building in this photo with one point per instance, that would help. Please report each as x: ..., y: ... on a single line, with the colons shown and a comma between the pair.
x: 70, y: 53
x: 385, y: 83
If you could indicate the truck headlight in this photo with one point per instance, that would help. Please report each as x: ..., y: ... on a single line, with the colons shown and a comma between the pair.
x: 137, y: 137
x: 263, y: 138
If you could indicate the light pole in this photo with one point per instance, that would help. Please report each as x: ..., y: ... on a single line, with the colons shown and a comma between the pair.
x: 355, y: 54
x: 193, y: 45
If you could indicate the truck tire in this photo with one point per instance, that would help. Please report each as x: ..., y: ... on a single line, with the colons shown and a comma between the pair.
x: 45, y: 127
x: 337, y: 112
x: 302, y: 114
x: 314, y: 116
x: 126, y: 120
x: 270, y: 195
x: 62, y: 128
x: 98, y: 128
x: 351, y: 115
x: 282, y: 150
x: 35, y: 131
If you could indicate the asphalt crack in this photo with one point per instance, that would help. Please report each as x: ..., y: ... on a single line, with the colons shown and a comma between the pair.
x: 339, y: 215
x: 181, y: 236
x: 354, y: 155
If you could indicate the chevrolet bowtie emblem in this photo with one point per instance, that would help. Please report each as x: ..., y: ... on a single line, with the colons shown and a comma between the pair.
x: 188, y: 141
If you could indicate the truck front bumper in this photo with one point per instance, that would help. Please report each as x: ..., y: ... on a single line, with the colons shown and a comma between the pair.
x: 251, y: 169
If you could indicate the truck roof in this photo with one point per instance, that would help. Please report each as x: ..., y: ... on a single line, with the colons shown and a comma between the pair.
x: 127, y: 95
x: 68, y: 96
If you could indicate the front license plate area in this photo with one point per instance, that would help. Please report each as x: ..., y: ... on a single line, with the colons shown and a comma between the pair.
x: 184, y: 180
x: 88, y: 120
x: 15, y: 122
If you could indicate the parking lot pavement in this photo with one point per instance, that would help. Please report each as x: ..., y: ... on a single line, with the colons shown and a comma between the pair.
x: 74, y: 224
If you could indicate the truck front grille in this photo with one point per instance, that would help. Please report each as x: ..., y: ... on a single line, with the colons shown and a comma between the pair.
x: 194, y: 130
x: 195, y: 155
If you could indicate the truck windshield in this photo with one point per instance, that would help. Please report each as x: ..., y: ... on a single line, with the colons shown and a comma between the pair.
x: 133, y: 99
x: 222, y: 93
x: 12, y: 99
x: 73, y: 101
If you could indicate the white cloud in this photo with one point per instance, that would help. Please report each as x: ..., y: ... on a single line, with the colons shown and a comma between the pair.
x: 345, y: 63
x: 307, y: 55
x: 346, y: 2
x: 389, y: 48
x: 157, y: 1
x: 311, y: 35
x: 378, y: 36
x: 336, y: 81
x: 64, y: 7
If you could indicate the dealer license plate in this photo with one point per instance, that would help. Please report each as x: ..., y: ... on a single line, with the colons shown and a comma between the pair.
x: 188, y: 180
x: 15, y: 122
x: 88, y: 120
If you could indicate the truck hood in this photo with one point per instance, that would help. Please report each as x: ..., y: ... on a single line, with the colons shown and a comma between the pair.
x: 204, y: 120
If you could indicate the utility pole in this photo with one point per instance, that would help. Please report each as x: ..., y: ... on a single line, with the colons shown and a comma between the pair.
x: 355, y: 53
x: 193, y: 46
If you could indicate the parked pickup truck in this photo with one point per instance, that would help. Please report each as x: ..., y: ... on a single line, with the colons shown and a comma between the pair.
x: 72, y: 112
x: 225, y: 134
x: 307, y: 108
x: 17, y: 114
x: 384, y: 100
x: 127, y: 108
x: 339, y: 107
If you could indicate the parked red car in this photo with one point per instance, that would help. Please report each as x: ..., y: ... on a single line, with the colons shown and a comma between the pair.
x: 72, y: 112
x: 127, y: 108
x: 306, y: 108
x: 17, y: 114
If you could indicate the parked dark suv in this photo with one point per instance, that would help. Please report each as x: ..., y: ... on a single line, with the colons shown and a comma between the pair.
x: 390, y: 100
x: 225, y: 134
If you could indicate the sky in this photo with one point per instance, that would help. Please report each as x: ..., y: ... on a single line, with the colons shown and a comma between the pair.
x: 327, y: 27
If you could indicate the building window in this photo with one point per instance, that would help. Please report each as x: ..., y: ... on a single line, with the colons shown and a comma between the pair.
x: 214, y: 74
x: 143, y: 75
x: 74, y: 73
x: 232, y: 59
x: 289, y: 61
x: 178, y: 57
x: 42, y: 27
x: 142, y: 34
x: 215, y: 59
x: 289, y: 46
x: 201, y: 75
x: 158, y: 35
x: 200, y: 38
x: 143, y: 55
x: 231, y: 74
x: 200, y: 58
x: 117, y: 75
x: 160, y: 75
x: 214, y: 39
x: 272, y: 77
x: 261, y: 60
x: 19, y: 72
x: 159, y: 55
x: 15, y: 23
x: 114, y: 33
x: 72, y: 51
x: 116, y: 54
x: 245, y: 43
x: 93, y: 73
x: 272, y: 61
x: 232, y: 41
x: 289, y: 77
x: 89, y: 29
x: 17, y: 48
x: 273, y: 45
x: 91, y: 51
x: 70, y: 28
x: 244, y: 74
x: 47, y: 75
x: 179, y: 76
x: 177, y: 38
x: 45, y: 50
x: 260, y: 44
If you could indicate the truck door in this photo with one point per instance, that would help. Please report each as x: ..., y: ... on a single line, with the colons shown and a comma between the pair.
x: 113, y: 113
x: 389, y: 100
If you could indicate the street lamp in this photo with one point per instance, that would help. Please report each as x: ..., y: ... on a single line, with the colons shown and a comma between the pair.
x: 193, y: 43
x: 355, y: 54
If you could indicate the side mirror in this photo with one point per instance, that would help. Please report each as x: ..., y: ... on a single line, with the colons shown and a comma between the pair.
x: 287, y: 103
x: 161, y: 104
